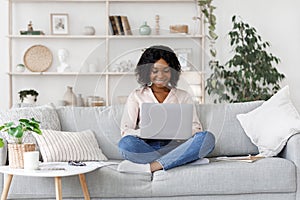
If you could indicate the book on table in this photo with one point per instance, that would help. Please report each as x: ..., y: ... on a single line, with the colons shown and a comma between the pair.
x: 248, y: 158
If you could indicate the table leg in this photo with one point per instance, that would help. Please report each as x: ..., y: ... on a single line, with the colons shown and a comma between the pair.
x: 6, y: 187
x: 58, y: 190
x: 84, y: 187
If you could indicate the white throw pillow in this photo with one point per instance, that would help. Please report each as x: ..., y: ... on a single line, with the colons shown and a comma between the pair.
x: 270, y: 125
x: 60, y: 146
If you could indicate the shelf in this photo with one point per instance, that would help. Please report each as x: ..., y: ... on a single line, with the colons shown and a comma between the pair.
x: 67, y: 73
x: 104, y: 49
x: 81, y: 73
x: 175, y: 36
x: 56, y: 37
x: 184, y: 1
x: 60, y: 1
x: 86, y: 1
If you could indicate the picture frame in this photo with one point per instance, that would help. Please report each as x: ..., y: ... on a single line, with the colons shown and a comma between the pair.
x: 59, y: 23
x: 184, y: 56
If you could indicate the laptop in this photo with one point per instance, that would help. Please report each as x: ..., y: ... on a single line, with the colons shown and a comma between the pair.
x: 166, y: 121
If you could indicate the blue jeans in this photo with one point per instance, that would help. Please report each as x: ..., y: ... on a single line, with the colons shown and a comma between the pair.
x: 169, y: 153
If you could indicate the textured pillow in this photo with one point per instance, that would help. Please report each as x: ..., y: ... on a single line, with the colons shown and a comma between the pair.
x: 59, y: 146
x: 46, y: 114
x: 270, y: 125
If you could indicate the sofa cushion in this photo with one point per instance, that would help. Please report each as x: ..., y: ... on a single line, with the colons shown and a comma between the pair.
x: 272, y: 124
x: 220, y: 119
x: 45, y: 114
x: 103, y: 121
x: 227, y: 177
x: 105, y: 182
x: 60, y: 146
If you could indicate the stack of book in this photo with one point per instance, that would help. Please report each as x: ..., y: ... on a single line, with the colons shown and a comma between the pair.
x: 119, y: 25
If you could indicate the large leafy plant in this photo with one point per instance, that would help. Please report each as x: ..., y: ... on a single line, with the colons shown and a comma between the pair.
x: 250, y: 74
x: 17, y: 131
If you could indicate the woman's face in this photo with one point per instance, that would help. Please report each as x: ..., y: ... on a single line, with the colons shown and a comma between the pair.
x: 160, y: 73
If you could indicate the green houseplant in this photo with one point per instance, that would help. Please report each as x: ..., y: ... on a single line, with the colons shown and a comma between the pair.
x: 207, y: 9
x: 249, y: 75
x: 16, y: 149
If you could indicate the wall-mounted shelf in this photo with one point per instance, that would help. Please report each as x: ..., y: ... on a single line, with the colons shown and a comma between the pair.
x: 104, y: 49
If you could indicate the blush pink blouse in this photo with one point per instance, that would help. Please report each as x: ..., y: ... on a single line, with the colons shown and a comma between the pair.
x: 130, y: 118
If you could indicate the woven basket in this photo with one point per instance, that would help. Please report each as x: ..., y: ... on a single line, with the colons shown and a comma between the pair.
x: 15, y: 154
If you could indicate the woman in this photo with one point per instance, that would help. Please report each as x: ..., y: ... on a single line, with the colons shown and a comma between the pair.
x: 158, y: 72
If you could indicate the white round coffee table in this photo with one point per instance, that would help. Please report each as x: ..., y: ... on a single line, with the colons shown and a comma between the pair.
x: 53, y: 169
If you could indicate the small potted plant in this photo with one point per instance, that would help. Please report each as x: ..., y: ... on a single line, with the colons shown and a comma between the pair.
x: 17, y: 132
x: 28, y: 96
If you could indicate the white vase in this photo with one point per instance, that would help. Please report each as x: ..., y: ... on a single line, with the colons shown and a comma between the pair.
x: 79, y: 100
x: 70, y: 97
x: 20, y: 68
x: 89, y: 30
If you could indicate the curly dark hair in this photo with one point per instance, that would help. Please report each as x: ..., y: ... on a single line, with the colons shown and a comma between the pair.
x: 150, y: 56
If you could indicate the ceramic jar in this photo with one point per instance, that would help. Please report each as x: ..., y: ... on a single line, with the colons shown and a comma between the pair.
x: 145, y: 29
x: 89, y: 30
x: 69, y: 97
x: 20, y: 68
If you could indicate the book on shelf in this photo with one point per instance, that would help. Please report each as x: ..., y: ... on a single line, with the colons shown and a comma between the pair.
x: 248, y: 158
x: 126, y: 26
x: 113, y: 26
x: 119, y: 25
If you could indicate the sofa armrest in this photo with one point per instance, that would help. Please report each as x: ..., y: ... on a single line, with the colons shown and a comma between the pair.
x: 292, y: 150
x: 3, y: 153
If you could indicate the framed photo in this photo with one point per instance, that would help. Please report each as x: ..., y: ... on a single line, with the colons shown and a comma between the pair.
x: 184, y: 56
x: 59, y: 23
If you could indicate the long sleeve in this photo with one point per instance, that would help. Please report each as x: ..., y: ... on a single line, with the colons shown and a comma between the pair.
x: 130, y: 117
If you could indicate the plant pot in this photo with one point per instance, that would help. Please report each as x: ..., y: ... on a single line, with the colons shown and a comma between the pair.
x: 15, y: 154
x: 29, y: 99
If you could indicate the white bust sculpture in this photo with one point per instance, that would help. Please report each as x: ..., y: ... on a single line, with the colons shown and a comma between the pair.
x: 63, y: 56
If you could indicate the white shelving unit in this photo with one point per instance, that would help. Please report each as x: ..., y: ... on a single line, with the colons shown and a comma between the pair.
x: 104, y: 49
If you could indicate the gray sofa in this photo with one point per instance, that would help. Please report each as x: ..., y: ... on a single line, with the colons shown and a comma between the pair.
x: 270, y: 178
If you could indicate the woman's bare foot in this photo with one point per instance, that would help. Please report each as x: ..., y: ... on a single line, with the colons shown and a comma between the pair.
x: 155, y: 166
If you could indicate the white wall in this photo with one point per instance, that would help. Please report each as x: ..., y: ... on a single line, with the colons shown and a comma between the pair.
x: 276, y: 21
x: 4, y: 97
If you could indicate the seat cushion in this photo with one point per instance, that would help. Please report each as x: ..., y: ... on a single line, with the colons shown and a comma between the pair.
x: 227, y: 177
x: 104, y: 182
x: 221, y: 120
